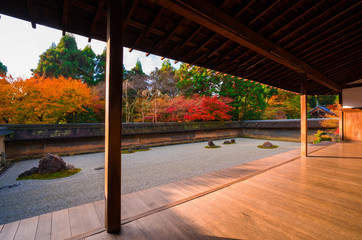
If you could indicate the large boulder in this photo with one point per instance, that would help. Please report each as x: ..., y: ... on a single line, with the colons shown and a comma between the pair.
x: 52, y: 163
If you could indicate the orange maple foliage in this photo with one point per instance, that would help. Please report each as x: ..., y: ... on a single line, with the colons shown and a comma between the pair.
x: 43, y: 100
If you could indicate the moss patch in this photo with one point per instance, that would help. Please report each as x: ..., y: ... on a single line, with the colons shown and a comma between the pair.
x: 274, y: 146
x: 48, y: 176
x: 213, y: 147
x: 125, y: 151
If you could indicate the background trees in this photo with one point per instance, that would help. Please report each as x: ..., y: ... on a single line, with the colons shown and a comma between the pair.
x: 68, y: 87
x: 47, y: 100
x: 3, y: 69
x: 66, y: 60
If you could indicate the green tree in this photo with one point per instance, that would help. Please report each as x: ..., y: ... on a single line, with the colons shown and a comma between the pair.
x: 323, y: 100
x: 249, y: 98
x: 3, y: 69
x: 87, y: 64
x: 134, y: 82
x: 100, y: 68
x: 165, y: 79
x: 66, y: 60
x: 196, y: 80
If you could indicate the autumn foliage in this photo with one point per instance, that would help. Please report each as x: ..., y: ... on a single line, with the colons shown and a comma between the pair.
x: 183, y: 109
x: 44, y: 100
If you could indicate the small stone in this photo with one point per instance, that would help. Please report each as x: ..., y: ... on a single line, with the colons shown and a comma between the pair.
x: 70, y: 166
x: 232, y: 140
x: 267, y: 144
x: 211, y: 143
x: 139, y: 147
x: 143, y: 147
x: 29, y: 172
x: 227, y: 142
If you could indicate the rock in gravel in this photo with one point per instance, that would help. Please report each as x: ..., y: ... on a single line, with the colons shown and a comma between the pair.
x: 267, y: 144
x: 139, y: 147
x: 227, y: 142
x: 232, y: 140
x: 211, y: 143
x: 52, y: 163
x: 29, y: 172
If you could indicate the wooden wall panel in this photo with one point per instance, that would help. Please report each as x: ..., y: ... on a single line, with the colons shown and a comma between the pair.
x: 352, y: 124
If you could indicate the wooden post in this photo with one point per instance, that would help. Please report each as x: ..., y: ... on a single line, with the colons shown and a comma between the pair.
x: 113, y: 120
x: 340, y: 106
x: 303, y: 117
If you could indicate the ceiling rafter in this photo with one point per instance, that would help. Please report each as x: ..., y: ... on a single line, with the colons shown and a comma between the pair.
x: 291, y: 8
x: 337, y: 53
x: 182, y: 44
x: 263, y: 12
x: 325, y: 39
x: 31, y: 13
x: 65, y: 16
x: 333, y: 43
x: 167, y: 37
x: 147, y: 30
x: 317, y: 17
x: 96, y: 18
x: 296, y: 19
x: 203, y: 12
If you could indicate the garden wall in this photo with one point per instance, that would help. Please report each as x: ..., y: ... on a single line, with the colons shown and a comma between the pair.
x: 29, y: 141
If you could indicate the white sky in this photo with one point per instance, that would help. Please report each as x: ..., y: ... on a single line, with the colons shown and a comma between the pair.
x: 21, y: 46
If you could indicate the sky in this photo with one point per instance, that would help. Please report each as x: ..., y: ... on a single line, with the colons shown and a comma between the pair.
x: 21, y: 46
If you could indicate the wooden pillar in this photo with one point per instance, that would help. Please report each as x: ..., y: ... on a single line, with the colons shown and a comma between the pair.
x: 340, y: 107
x: 303, y: 116
x: 113, y: 120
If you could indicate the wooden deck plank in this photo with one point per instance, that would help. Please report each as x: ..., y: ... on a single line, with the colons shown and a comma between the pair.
x: 76, y: 221
x: 304, y: 198
x: 60, y: 225
x: 27, y: 228
x: 9, y: 230
x: 99, y: 208
x: 44, y: 229
x: 90, y: 217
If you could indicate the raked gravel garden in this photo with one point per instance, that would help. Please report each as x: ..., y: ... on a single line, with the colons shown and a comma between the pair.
x: 140, y: 170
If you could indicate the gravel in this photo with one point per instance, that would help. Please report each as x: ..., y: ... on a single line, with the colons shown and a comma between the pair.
x: 140, y: 170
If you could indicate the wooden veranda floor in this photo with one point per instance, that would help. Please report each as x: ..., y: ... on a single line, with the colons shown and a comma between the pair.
x: 279, y: 197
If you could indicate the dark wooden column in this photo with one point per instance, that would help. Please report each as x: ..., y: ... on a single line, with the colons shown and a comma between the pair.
x: 113, y: 121
x: 303, y: 116
x: 340, y: 107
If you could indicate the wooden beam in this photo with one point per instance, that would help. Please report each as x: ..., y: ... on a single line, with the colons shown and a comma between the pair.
x: 340, y: 122
x: 147, y: 30
x: 353, y: 85
x: 205, y: 14
x: 303, y: 116
x: 30, y: 13
x: 113, y: 126
x: 96, y: 18
x: 65, y: 16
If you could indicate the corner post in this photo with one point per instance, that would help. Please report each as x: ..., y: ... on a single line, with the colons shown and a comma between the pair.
x: 113, y: 120
x: 303, y: 117
x: 340, y: 122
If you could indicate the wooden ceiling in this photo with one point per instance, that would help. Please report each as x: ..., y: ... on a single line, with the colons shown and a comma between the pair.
x: 272, y: 42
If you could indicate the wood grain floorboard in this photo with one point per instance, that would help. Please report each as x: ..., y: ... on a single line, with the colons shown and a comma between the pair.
x: 44, y: 228
x: 60, y: 225
x: 27, y: 228
x: 9, y: 230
